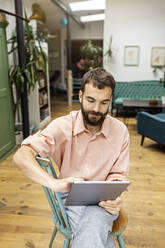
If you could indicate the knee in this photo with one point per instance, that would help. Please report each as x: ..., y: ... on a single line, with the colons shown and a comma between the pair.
x: 100, y: 218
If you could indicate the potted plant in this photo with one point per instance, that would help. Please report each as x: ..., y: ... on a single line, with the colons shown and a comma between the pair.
x: 92, y: 57
x: 162, y: 80
x: 35, y: 60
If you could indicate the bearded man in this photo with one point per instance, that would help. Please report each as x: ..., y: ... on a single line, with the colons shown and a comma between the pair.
x: 87, y: 144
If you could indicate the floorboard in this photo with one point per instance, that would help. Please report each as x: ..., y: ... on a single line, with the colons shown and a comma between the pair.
x: 25, y: 217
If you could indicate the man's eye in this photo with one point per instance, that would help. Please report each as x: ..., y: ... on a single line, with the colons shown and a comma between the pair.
x: 90, y: 100
x: 104, y: 103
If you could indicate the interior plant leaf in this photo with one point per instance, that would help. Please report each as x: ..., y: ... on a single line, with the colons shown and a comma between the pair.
x: 29, y: 71
x: 92, y: 55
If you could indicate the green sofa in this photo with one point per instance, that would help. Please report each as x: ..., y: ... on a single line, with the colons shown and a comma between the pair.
x: 137, y: 90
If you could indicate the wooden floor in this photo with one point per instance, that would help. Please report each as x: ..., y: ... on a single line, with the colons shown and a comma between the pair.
x: 25, y: 218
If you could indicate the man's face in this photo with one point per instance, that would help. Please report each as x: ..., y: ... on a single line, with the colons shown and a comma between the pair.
x: 95, y: 104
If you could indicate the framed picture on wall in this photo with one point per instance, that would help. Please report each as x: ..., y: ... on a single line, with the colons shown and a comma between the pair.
x: 131, y: 55
x: 158, y: 56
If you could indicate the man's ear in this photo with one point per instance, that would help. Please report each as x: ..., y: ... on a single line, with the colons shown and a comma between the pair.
x: 80, y: 95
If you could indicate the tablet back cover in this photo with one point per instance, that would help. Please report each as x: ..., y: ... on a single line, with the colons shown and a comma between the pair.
x: 92, y: 192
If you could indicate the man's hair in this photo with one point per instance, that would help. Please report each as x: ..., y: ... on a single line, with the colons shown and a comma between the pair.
x: 100, y: 79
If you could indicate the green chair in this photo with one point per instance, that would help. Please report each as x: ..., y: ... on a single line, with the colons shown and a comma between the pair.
x: 58, y: 210
x: 59, y: 214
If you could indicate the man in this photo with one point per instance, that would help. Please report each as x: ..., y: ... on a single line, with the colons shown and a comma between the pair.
x: 87, y: 145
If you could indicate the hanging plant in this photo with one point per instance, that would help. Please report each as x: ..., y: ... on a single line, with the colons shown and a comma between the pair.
x: 110, y: 50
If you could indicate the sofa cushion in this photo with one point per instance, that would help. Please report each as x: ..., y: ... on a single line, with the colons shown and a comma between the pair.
x: 119, y: 101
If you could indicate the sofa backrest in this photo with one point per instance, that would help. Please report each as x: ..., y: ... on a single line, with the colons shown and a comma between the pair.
x: 139, y: 90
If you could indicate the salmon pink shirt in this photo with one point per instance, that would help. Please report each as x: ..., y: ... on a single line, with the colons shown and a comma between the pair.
x: 78, y: 153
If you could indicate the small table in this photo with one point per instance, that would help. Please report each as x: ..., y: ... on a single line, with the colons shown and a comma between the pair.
x: 140, y: 105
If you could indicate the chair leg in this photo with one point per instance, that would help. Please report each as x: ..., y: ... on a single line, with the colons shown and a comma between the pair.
x: 142, y: 140
x: 66, y: 243
x: 120, y: 241
x: 52, y: 238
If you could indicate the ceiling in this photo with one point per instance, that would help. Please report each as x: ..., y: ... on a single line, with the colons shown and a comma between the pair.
x: 54, y: 13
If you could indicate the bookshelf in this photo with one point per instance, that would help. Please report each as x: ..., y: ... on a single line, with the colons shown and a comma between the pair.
x: 39, y: 99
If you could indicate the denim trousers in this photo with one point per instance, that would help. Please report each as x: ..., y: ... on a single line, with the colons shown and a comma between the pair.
x: 91, y: 226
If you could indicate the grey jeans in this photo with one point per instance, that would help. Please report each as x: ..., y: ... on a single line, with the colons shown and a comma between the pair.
x: 91, y: 226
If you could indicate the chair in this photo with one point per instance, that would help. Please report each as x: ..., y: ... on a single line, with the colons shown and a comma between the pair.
x: 119, y: 226
x: 151, y: 126
x: 59, y: 214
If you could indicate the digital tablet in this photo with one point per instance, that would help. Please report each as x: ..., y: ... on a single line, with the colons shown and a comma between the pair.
x: 85, y: 193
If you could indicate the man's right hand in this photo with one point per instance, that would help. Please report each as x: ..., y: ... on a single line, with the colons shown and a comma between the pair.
x: 25, y: 160
x: 64, y: 185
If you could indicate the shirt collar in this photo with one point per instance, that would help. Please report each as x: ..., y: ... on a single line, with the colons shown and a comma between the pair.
x: 79, y: 126
x: 105, y: 127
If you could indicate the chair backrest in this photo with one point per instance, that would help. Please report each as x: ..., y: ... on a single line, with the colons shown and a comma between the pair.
x: 55, y: 201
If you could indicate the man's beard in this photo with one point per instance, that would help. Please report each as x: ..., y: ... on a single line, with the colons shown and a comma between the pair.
x: 93, y: 121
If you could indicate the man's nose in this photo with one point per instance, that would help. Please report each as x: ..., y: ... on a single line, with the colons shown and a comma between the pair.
x: 96, y: 107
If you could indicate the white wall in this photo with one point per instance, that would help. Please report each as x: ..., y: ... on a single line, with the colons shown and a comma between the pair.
x: 27, y: 5
x: 9, y: 6
x: 92, y: 30
x: 133, y: 22
x: 54, y: 52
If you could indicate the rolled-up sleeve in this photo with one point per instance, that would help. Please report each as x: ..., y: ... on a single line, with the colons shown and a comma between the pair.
x: 43, y: 143
x: 120, y: 168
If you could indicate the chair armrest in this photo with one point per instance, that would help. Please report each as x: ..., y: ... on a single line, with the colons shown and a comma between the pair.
x: 151, y: 126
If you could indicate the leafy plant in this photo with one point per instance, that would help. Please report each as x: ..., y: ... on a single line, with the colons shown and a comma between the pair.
x: 109, y: 51
x: 92, y: 56
x: 35, y: 60
x: 162, y: 69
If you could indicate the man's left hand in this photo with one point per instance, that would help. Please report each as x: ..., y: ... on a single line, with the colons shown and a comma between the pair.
x: 113, y: 206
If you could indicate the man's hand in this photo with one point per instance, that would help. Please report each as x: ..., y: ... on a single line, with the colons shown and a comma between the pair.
x: 113, y: 207
x: 64, y: 185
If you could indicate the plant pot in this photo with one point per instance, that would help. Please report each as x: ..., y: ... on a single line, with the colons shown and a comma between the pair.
x: 18, y: 133
x: 163, y: 100
x: 18, y: 137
